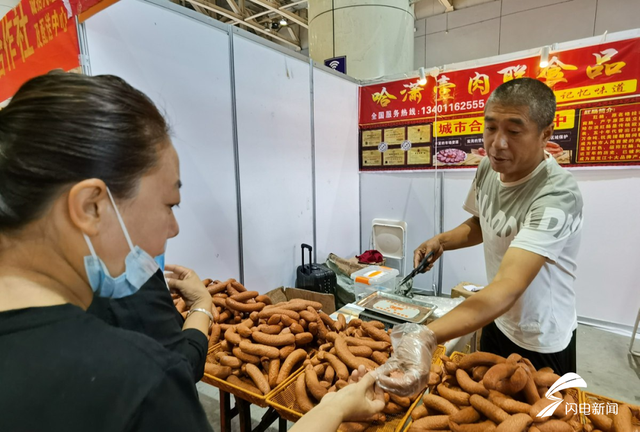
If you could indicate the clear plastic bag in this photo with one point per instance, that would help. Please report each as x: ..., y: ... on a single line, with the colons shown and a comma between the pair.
x: 407, y: 370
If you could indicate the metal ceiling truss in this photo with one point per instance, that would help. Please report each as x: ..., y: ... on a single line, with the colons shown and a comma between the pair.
x: 448, y: 5
x: 245, y: 12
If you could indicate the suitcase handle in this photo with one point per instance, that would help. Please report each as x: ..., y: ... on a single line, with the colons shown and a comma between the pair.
x: 303, y: 247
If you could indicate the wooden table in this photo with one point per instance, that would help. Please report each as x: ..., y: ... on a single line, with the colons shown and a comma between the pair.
x: 242, y: 409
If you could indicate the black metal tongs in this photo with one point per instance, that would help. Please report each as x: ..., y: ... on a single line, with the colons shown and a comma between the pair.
x: 423, y: 264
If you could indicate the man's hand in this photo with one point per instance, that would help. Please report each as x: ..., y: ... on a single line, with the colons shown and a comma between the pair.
x: 432, y: 245
x: 407, y: 370
x: 186, y: 282
x: 468, y: 233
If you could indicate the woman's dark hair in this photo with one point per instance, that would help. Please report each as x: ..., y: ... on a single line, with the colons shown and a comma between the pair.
x: 62, y: 128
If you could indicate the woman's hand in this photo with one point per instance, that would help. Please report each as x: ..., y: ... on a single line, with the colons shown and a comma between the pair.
x: 359, y: 400
x: 186, y: 282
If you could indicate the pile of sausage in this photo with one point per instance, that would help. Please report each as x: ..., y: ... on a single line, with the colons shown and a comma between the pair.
x: 232, y: 304
x: 348, y: 347
x: 486, y: 392
x: 626, y: 420
x: 261, y: 344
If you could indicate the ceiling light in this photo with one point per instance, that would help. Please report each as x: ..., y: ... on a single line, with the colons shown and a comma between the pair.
x: 283, y: 22
x: 423, y: 79
x: 544, y: 56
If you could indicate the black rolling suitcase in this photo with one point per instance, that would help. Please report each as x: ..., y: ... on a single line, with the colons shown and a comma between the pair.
x: 315, y: 277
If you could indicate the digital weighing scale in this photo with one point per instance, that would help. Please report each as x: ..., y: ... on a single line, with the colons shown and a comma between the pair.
x: 391, y: 309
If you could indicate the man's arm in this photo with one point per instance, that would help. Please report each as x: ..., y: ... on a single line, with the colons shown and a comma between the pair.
x: 518, y: 269
x: 465, y: 235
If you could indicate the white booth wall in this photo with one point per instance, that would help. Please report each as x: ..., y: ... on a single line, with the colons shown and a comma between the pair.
x: 607, y: 284
x: 274, y: 150
x: 336, y: 165
x: 190, y: 82
x: 402, y: 196
x: 463, y: 265
x: 240, y: 109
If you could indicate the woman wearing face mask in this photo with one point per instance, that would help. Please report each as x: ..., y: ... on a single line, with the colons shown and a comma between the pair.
x: 151, y: 311
x: 88, y: 180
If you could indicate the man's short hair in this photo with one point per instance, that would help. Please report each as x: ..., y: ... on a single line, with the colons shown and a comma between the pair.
x: 527, y: 92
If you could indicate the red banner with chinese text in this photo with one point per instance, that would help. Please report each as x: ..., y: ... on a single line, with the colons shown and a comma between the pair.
x: 36, y: 37
x: 609, y: 134
x: 456, y: 92
x: 598, y: 133
x: 591, y: 73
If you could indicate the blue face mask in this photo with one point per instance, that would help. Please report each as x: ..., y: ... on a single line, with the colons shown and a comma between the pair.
x: 139, y: 267
x: 160, y: 261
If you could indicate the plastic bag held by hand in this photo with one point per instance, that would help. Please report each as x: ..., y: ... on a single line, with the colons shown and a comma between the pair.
x: 407, y: 370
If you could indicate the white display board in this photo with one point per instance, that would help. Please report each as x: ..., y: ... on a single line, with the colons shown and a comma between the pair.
x: 274, y: 146
x: 336, y: 165
x: 464, y: 264
x: 408, y: 197
x: 182, y: 63
x: 608, y: 271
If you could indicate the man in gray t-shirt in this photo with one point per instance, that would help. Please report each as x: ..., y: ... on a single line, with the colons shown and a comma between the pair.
x: 527, y: 211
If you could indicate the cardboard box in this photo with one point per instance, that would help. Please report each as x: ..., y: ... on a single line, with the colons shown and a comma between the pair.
x: 283, y: 294
x: 459, y: 291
